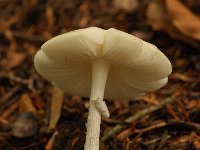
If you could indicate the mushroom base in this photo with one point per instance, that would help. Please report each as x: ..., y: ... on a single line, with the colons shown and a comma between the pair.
x: 93, y: 129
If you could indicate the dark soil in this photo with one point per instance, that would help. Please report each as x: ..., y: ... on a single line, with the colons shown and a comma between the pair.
x: 26, y: 24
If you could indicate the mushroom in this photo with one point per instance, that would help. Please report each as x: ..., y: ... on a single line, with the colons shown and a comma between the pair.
x: 99, y: 64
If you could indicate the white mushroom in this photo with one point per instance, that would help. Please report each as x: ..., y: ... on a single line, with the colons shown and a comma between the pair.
x: 100, y: 64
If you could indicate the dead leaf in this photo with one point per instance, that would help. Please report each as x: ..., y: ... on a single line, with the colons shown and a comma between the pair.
x: 26, y: 104
x: 156, y: 15
x: 50, y: 143
x: 192, y: 104
x: 13, y: 59
x: 183, y: 19
x: 56, y: 105
x: 126, y: 5
x: 158, y: 19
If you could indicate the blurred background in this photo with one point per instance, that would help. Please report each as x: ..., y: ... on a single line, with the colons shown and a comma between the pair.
x: 26, y: 98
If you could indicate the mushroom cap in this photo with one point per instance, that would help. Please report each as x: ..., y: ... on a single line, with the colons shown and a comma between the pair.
x: 137, y: 67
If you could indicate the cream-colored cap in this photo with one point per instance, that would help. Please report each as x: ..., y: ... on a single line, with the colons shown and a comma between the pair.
x: 136, y: 67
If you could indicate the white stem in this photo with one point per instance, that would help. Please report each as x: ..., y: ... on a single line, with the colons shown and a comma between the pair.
x: 100, y: 71
x: 93, y: 129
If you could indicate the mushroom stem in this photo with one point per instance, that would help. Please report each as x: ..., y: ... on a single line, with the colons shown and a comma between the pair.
x: 100, y: 70
x: 97, y: 106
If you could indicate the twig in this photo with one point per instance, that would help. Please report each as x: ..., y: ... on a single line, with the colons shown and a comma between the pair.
x: 31, y: 146
x: 27, y: 37
x: 10, y: 110
x: 193, y: 125
x: 155, y: 126
x: 8, y: 103
x: 9, y: 94
x: 69, y: 109
x: 155, y: 140
x: 163, y: 140
x: 136, y: 116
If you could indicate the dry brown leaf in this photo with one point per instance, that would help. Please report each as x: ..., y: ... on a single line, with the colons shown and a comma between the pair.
x: 126, y: 5
x: 158, y: 19
x: 193, y: 104
x: 183, y: 19
x: 50, y: 143
x: 56, y: 105
x: 13, y: 59
x: 156, y: 15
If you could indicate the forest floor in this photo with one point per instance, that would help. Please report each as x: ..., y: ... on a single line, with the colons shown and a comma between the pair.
x: 168, y: 119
